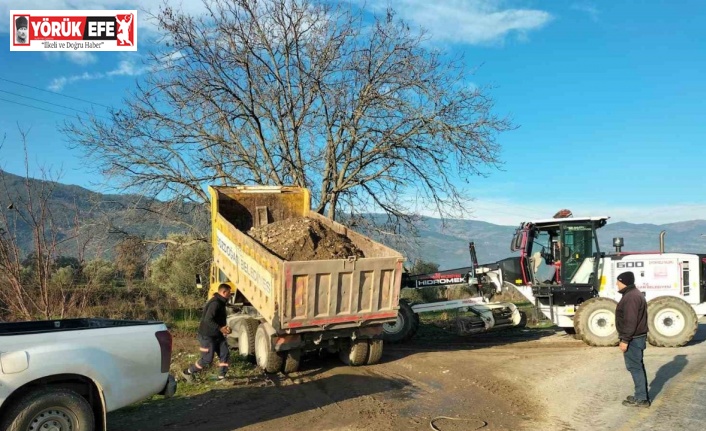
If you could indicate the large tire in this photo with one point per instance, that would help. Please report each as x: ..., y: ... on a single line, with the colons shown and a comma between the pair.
x: 595, y: 322
x: 292, y: 359
x: 671, y: 322
x: 266, y: 357
x: 355, y: 354
x: 405, y: 326
x: 246, y: 338
x: 49, y: 407
x: 374, y: 352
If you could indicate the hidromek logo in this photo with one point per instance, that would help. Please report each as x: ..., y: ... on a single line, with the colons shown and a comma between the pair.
x: 61, y: 30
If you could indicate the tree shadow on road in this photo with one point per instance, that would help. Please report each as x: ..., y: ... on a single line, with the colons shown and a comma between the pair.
x: 665, y: 373
x: 236, y: 405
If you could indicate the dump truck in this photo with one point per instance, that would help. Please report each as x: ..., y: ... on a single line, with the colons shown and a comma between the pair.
x: 284, y: 308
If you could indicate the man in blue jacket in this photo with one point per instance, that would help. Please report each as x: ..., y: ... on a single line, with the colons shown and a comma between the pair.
x: 631, y: 323
x: 213, y: 329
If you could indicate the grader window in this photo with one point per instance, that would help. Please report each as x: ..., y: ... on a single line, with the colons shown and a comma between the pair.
x: 577, y: 246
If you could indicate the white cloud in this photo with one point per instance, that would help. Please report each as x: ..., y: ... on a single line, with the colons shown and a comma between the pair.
x: 587, y: 8
x: 81, y: 57
x: 467, y: 21
x: 457, y: 21
x: 57, y: 84
x: 129, y: 66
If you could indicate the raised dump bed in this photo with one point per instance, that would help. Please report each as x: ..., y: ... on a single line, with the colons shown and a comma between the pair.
x: 338, y: 304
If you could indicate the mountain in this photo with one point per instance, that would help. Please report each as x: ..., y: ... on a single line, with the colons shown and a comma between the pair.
x: 107, y: 217
x: 100, y: 220
x: 448, y: 245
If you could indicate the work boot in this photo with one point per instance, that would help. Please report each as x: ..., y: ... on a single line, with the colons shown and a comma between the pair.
x: 630, y: 399
x: 186, y: 375
x: 636, y: 403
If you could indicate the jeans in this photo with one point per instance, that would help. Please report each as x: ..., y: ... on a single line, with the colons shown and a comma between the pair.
x: 634, y: 364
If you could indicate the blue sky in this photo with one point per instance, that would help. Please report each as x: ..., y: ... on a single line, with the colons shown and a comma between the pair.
x: 609, y: 98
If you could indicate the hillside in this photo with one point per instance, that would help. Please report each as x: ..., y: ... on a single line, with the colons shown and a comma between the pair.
x: 107, y: 217
x: 449, y: 246
x: 103, y: 219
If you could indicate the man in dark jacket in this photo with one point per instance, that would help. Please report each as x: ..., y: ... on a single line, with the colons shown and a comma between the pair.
x: 631, y: 323
x: 212, y: 335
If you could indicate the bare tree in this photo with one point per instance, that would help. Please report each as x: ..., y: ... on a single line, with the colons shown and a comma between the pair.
x: 361, y: 111
x: 28, y: 286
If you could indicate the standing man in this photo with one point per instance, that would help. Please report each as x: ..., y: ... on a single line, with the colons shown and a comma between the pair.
x: 212, y: 335
x: 631, y: 323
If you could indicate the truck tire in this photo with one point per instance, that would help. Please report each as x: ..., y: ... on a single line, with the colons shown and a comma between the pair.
x: 405, y: 326
x: 595, y: 322
x: 246, y: 338
x: 374, y: 352
x: 266, y: 357
x: 46, y: 408
x: 355, y: 354
x: 671, y: 322
x: 292, y: 359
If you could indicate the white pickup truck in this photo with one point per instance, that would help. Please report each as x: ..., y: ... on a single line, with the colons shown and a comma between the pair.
x: 62, y: 375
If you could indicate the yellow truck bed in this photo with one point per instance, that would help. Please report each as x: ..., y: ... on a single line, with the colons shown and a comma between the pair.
x: 300, y: 296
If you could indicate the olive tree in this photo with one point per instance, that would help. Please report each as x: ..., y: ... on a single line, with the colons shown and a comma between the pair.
x: 360, y: 109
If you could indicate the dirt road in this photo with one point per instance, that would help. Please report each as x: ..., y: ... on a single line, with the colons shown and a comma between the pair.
x: 520, y: 379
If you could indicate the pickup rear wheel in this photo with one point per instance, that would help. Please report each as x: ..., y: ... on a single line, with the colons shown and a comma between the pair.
x: 49, y: 409
x: 267, y: 358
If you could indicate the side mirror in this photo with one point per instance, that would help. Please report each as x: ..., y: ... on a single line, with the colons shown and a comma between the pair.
x: 199, y: 285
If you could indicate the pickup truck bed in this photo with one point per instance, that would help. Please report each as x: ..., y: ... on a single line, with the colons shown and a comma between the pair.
x: 35, y: 327
x: 87, y: 366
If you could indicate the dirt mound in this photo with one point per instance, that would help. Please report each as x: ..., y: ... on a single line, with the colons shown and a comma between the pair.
x: 304, y: 239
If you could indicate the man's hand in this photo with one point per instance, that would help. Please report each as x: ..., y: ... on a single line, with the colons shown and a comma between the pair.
x: 226, y: 330
x: 623, y: 346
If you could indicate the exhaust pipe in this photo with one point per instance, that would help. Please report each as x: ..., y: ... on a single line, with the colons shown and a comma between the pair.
x: 661, y: 241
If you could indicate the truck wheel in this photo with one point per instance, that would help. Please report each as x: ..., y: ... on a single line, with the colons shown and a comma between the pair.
x: 374, y: 352
x: 266, y: 357
x: 404, y: 327
x: 246, y: 338
x: 595, y: 322
x: 50, y: 409
x: 355, y: 354
x: 671, y: 322
x: 292, y: 359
